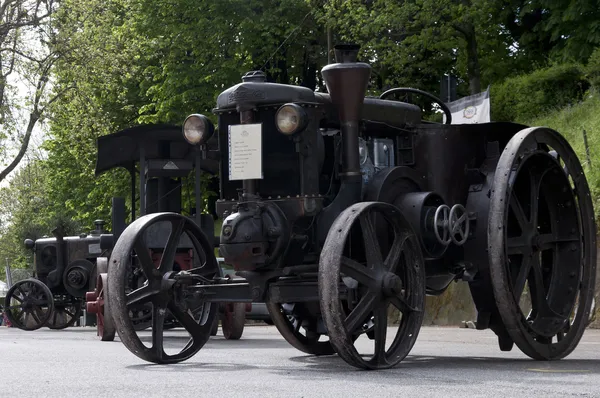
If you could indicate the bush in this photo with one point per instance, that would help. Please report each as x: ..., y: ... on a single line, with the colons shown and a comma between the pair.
x: 592, y: 69
x: 527, y: 96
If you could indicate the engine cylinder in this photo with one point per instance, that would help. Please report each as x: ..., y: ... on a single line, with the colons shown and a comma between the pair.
x: 419, y: 209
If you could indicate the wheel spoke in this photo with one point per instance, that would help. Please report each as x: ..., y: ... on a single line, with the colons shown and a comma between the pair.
x: 372, y: 249
x: 548, y: 241
x: 380, y: 334
x: 534, y: 198
x: 363, y: 309
x: 517, y: 210
x: 35, y: 317
x: 141, y: 295
x: 186, y: 319
x: 521, y: 277
x: 357, y: 271
x: 297, y: 325
x: 168, y: 255
x: 19, y: 299
x: 393, y: 257
x: 23, y: 295
x: 145, y: 259
x: 536, y: 286
x: 539, y: 303
x: 517, y: 245
x: 40, y: 302
x: 158, y: 321
x: 402, y: 305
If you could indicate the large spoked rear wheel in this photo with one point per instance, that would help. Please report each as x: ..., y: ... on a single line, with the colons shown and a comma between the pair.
x: 372, y: 283
x: 161, y: 289
x: 29, y: 304
x: 299, y: 327
x: 542, y: 244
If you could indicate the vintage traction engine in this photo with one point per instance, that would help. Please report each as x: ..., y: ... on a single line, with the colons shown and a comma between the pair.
x: 64, y: 272
x: 342, y: 213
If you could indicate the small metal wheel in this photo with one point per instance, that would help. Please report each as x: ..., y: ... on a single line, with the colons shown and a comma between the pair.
x: 542, y: 244
x: 163, y: 289
x: 299, y: 327
x: 29, y: 304
x: 234, y: 319
x: 372, y: 282
x: 99, y: 305
x: 67, y: 311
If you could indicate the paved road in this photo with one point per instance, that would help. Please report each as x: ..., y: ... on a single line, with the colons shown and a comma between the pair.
x: 445, y: 362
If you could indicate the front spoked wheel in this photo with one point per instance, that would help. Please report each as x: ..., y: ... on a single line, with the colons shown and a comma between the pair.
x: 162, y: 291
x: 372, y: 285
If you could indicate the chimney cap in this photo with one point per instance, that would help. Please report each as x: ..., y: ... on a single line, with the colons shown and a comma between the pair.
x: 254, y: 76
x: 345, y: 53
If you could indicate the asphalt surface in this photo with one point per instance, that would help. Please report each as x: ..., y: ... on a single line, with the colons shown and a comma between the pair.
x: 445, y: 362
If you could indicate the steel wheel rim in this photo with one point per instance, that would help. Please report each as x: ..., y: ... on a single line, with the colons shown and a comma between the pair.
x: 527, y: 147
x: 198, y: 325
x: 104, y: 323
x: 32, y: 301
x: 401, y: 284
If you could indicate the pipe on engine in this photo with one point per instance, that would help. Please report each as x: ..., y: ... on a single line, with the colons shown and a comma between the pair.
x: 347, y: 82
x: 55, y: 277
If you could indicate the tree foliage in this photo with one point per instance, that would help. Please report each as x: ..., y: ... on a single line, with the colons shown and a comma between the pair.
x: 27, y: 57
x: 118, y: 63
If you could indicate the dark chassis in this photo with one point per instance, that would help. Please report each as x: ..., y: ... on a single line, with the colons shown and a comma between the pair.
x: 350, y: 210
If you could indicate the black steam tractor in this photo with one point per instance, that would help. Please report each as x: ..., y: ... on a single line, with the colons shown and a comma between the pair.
x: 64, y: 272
x: 342, y: 213
x: 158, y: 158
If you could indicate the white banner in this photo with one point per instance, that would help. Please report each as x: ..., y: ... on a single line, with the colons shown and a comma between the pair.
x: 473, y: 109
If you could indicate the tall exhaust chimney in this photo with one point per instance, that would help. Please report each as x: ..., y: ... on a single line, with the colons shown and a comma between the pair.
x: 346, y: 83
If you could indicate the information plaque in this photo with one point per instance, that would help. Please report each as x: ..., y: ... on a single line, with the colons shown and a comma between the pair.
x: 245, y: 152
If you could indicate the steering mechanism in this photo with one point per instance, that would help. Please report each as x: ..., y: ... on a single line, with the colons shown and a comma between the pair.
x: 459, y: 224
x: 451, y: 224
x: 441, y: 220
x: 423, y: 93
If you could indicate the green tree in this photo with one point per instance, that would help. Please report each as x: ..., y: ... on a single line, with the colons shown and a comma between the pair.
x: 27, y: 57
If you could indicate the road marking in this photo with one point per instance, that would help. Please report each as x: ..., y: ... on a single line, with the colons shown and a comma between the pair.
x: 559, y: 370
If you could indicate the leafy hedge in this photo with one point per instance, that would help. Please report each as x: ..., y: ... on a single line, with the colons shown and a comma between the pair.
x: 593, y: 69
x: 524, y: 97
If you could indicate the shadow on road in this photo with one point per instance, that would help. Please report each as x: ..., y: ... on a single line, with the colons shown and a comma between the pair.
x: 467, y: 365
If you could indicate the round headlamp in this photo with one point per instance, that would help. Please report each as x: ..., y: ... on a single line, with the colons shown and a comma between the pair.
x: 197, y: 129
x: 291, y: 119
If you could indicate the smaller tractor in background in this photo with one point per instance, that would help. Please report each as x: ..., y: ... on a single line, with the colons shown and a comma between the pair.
x: 64, y: 268
x: 159, y: 158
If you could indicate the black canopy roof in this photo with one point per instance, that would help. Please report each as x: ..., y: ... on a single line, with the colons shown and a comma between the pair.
x: 160, y: 141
